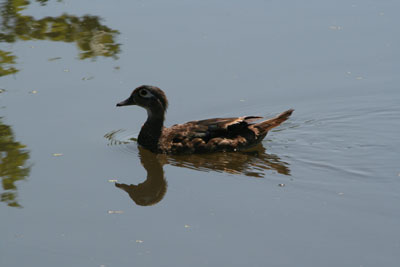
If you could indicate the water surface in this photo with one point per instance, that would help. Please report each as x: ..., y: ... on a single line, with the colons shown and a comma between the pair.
x: 321, y: 190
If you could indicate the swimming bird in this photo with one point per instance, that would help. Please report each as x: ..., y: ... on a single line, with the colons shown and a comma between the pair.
x: 202, y: 136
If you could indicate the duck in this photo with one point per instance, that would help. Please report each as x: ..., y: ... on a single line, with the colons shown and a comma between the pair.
x: 199, y: 136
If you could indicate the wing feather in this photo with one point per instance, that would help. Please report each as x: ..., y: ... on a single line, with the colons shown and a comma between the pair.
x: 207, y: 129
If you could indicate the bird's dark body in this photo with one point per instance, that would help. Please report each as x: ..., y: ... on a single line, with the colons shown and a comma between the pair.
x: 203, y: 136
x: 225, y: 134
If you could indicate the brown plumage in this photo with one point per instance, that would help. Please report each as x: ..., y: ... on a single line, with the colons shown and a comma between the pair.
x: 219, y: 134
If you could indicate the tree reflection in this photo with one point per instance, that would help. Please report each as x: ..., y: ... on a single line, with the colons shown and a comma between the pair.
x: 13, y: 158
x: 253, y: 163
x: 91, y: 37
x: 7, y: 60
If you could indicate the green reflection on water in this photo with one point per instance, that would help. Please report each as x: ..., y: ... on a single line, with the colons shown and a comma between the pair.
x: 92, y: 38
x: 7, y: 60
x: 13, y: 158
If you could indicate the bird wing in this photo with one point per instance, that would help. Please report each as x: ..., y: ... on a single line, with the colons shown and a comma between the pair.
x: 227, y: 134
x: 209, y: 128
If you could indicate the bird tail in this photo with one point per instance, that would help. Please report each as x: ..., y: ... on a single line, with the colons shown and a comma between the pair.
x: 267, y: 125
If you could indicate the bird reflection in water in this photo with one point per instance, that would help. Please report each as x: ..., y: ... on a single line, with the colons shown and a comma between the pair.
x: 153, y: 189
x: 253, y: 163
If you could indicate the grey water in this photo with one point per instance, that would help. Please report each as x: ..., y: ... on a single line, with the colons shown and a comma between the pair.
x: 323, y: 189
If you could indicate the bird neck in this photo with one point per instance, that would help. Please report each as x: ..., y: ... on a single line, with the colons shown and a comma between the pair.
x: 152, y: 129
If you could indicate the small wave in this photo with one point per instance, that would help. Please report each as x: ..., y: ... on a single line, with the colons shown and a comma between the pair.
x: 122, y: 140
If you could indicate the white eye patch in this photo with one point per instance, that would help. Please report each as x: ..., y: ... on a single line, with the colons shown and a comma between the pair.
x: 145, y: 93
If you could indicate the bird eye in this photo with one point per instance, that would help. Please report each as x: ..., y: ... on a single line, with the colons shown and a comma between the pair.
x: 143, y: 93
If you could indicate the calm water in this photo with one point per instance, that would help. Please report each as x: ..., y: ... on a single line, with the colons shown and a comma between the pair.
x: 322, y: 190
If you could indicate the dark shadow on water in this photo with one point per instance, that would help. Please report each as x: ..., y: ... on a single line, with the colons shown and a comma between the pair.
x: 251, y: 163
x: 153, y: 189
x: 254, y: 163
x: 13, y: 165
x: 90, y: 36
